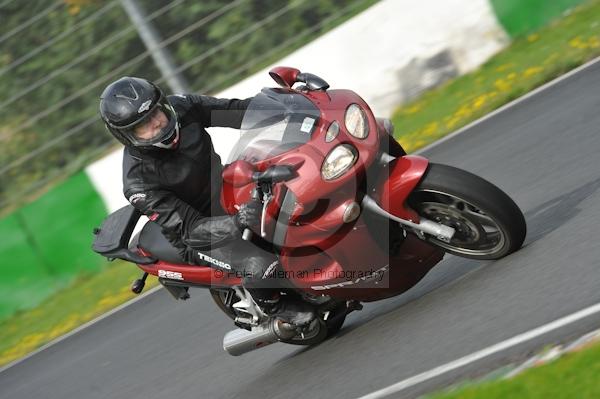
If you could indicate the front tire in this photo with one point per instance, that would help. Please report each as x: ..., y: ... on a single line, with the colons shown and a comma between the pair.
x: 488, y: 223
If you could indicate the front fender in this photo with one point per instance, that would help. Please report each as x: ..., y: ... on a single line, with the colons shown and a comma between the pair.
x: 393, y: 190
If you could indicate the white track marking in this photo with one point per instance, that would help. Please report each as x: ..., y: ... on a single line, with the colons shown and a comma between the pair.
x: 473, y: 357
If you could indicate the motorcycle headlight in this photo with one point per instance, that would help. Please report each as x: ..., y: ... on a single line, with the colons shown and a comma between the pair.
x: 339, y: 160
x: 356, y: 122
x: 332, y: 132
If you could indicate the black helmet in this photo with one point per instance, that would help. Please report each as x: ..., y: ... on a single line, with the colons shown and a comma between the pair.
x: 128, y: 103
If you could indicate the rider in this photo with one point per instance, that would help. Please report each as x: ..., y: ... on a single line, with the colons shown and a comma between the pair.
x: 172, y: 174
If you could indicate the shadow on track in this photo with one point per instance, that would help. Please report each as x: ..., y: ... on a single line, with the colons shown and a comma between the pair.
x: 554, y: 213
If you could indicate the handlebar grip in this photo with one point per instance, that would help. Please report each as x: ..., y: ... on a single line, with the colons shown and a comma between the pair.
x: 247, y: 235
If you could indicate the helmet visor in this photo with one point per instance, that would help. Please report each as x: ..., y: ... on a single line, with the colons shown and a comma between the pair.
x: 158, y: 125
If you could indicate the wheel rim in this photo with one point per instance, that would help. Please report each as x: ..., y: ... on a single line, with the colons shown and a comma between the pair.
x: 220, y: 297
x: 476, y: 233
x: 313, y: 330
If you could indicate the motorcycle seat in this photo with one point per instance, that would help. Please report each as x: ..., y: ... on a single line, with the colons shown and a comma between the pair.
x: 153, y: 241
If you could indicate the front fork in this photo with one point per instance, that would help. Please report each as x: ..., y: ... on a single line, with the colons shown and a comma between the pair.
x: 425, y: 226
x: 392, y: 194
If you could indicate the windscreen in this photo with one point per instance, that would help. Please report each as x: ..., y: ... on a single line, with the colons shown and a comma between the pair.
x: 275, y: 121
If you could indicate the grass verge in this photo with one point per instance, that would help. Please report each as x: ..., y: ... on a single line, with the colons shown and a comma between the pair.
x: 87, y: 298
x: 574, y: 375
x: 529, y: 62
x: 526, y: 64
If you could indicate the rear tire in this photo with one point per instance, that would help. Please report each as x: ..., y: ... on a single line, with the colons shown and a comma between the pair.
x: 219, y: 296
x: 488, y: 223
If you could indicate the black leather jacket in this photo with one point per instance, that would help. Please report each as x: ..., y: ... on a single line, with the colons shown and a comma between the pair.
x: 180, y: 188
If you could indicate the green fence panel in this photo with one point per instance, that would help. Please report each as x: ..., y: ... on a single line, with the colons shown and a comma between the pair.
x: 26, y: 279
x: 62, y: 221
x: 522, y: 16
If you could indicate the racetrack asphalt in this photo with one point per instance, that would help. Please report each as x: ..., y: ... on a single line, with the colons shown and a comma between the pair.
x: 543, y: 152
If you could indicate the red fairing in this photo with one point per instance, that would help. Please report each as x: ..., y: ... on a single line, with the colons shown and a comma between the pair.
x: 201, y: 275
x: 404, y: 175
x: 238, y: 173
x: 197, y: 274
x: 308, y: 158
x: 322, y: 250
x: 398, y: 274
x: 237, y: 185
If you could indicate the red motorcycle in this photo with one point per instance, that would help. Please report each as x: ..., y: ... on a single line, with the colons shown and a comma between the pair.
x: 351, y: 216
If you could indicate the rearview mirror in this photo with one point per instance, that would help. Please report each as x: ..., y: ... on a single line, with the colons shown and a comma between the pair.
x: 276, y: 174
x: 284, y: 76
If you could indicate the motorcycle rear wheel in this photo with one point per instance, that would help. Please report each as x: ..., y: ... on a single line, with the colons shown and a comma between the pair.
x: 220, y: 297
x: 327, y: 329
x: 487, y: 222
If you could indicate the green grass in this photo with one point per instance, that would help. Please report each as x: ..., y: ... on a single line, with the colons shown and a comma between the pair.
x: 89, y: 297
x: 575, y: 375
x: 528, y: 63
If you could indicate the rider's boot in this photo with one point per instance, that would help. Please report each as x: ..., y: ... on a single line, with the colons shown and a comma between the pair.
x: 295, y: 312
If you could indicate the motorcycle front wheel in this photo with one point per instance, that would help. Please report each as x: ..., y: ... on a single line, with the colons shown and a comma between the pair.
x: 487, y: 222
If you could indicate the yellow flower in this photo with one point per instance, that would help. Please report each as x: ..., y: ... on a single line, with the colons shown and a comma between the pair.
x: 532, y: 71
x: 480, y: 101
x: 452, y: 122
x: 578, y: 43
x: 430, y: 129
x: 413, y: 109
x: 532, y: 38
x: 111, y: 300
x: 501, y: 85
x: 26, y: 345
x: 504, y: 67
x: 31, y: 340
x: 67, y: 325
x: 419, y: 143
x: 463, y: 112
x: 552, y: 58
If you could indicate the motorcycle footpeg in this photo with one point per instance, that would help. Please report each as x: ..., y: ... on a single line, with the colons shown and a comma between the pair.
x: 138, y: 285
x: 244, y: 322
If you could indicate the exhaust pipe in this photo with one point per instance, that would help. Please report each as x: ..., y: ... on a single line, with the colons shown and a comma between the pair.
x: 239, y: 341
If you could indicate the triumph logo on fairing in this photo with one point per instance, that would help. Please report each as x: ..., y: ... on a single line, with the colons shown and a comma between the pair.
x: 169, y: 274
x: 145, y: 106
x: 214, y: 261
x: 376, y: 274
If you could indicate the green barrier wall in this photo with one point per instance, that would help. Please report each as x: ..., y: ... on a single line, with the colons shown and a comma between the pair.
x: 45, y: 244
x: 522, y: 16
x: 25, y: 279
